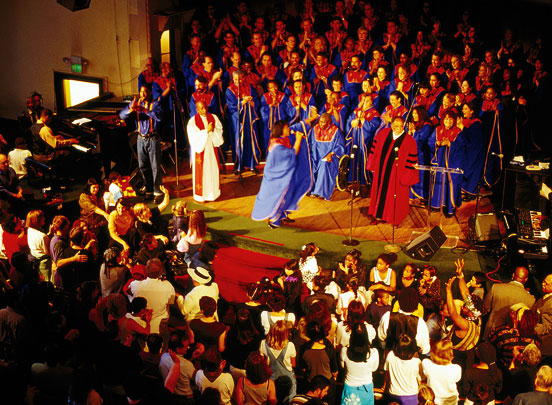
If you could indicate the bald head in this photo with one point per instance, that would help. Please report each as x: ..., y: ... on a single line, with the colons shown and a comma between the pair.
x: 521, y: 274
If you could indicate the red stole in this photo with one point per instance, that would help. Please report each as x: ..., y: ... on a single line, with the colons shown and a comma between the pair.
x: 491, y: 105
x: 445, y: 136
x: 149, y: 76
x: 469, y: 122
x: 242, y: 92
x: 346, y: 56
x: 423, y: 101
x: 324, y: 71
x: 395, y: 112
x: 370, y: 114
x: 277, y: 99
x: 466, y: 98
x: 199, y: 157
x: 356, y: 76
x: 272, y: 70
x: 407, y: 84
x: 163, y: 81
x: 324, y: 135
x: 279, y: 141
x: 435, y: 70
x: 254, y: 51
x: 305, y: 98
x: 206, y: 97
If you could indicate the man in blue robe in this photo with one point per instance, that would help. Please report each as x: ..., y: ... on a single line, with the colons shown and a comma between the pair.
x: 243, y: 116
x: 327, y: 146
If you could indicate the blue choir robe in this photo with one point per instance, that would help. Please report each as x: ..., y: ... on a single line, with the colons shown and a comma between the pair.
x: 407, y: 91
x: 447, y: 187
x: 361, y: 137
x: 352, y: 84
x: 307, y: 105
x: 168, y: 122
x: 434, y: 101
x: 283, y: 110
x: 243, y: 126
x: 475, y: 159
x: 286, y: 179
x: 323, y: 142
x: 491, y: 120
x: 382, y: 99
x: 421, y: 136
x: 317, y: 84
x: 146, y: 78
x: 208, y: 99
x: 341, y: 120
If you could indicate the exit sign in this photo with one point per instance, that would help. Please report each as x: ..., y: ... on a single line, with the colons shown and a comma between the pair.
x: 76, y: 68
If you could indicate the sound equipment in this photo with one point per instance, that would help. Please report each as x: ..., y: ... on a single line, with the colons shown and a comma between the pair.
x: 426, y: 245
x: 486, y: 227
x: 75, y: 5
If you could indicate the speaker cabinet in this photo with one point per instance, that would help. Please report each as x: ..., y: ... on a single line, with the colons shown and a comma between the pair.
x: 426, y: 245
x: 75, y: 5
x: 486, y: 227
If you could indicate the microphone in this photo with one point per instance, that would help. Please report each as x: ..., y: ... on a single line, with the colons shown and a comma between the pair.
x: 355, y: 147
x: 499, y: 155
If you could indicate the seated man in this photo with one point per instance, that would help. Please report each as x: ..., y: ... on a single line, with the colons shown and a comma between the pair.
x: 47, y: 145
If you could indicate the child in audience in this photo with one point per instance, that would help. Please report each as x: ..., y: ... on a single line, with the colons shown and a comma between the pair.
x: 179, y: 221
x: 277, y: 304
x: 354, y: 292
x: 190, y: 241
x: 308, y: 263
x: 382, y: 275
x: 403, y: 371
x: 377, y: 308
x: 441, y: 374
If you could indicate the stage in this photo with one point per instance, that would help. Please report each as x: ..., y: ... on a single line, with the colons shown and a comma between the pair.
x: 327, y: 224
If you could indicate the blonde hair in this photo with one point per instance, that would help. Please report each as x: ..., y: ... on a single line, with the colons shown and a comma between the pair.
x: 139, y: 209
x: 278, y: 335
x: 33, y: 219
x: 426, y: 395
x: 179, y: 208
x: 442, y: 353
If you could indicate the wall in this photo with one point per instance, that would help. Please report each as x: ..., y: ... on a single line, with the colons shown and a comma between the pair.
x: 37, y: 35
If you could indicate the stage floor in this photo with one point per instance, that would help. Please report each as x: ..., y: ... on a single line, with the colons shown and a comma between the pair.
x: 324, y: 222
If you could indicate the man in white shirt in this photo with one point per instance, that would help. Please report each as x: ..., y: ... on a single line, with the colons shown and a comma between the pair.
x: 179, y: 344
x: 408, y: 303
x: 159, y: 293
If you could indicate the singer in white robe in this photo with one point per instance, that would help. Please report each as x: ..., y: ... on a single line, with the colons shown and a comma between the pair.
x: 204, y: 135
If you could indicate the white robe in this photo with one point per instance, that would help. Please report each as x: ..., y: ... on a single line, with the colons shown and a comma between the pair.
x: 201, y: 141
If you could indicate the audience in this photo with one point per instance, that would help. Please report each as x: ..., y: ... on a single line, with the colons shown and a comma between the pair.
x: 88, y: 323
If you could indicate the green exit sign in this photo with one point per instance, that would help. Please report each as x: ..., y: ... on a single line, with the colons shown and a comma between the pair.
x: 76, y: 68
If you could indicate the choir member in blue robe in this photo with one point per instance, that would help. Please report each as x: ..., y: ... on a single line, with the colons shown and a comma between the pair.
x: 361, y: 129
x: 435, y: 96
x: 327, y: 145
x: 320, y: 77
x: 205, y: 96
x: 491, y: 120
x: 268, y: 71
x: 352, y: 81
x: 170, y: 89
x: 287, y: 174
x: 381, y: 87
x: 394, y: 109
x: 420, y: 129
x: 302, y: 101
x: 337, y: 111
x: 147, y: 76
x: 243, y: 106
x: 448, y: 147
x: 403, y: 84
x: 275, y: 106
x: 475, y: 159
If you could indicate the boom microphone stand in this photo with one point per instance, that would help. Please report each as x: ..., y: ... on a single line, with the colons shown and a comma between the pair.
x: 351, y: 241
x: 176, y: 104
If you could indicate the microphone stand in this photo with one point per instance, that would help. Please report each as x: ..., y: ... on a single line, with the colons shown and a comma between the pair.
x: 176, y: 104
x: 350, y: 241
x: 394, y: 247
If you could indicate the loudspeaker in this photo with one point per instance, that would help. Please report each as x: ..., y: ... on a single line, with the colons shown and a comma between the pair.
x: 486, y: 227
x: 426, y: 245
x: 75, y: 5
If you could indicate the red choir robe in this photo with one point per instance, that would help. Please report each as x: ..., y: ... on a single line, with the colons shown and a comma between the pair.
x: 389, y: 174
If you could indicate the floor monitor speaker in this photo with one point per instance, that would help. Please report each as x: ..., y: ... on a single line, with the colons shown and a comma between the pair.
x: 75, y: 5
x: 426, y: 245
